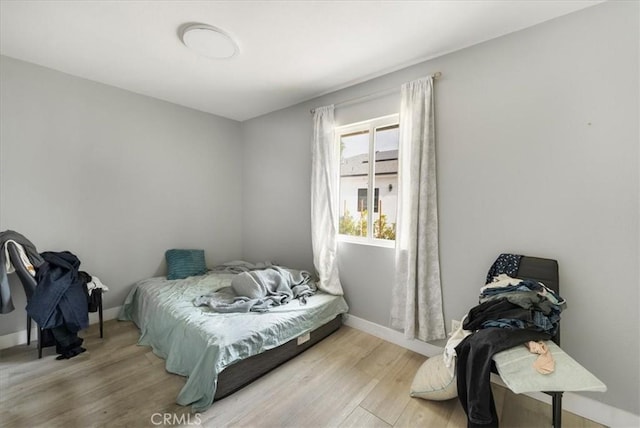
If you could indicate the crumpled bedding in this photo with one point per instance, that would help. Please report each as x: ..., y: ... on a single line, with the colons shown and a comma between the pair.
x: 260, y: 290
x: 199, y: 343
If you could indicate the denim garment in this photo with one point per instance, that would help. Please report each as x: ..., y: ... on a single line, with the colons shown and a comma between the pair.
x: 525, y: 285
x: 60, y: 297
x: 475, y: 354
x: 506, y: 323
x: 539, y: 322
x: 548, y: 323
x: 493, y: 310
x: 524, y: 299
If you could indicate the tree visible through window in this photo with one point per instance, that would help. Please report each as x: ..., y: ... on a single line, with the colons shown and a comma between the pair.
x: 369, y: 178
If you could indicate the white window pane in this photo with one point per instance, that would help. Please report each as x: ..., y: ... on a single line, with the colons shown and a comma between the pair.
x: 386, y: 180
x: 354, y: 175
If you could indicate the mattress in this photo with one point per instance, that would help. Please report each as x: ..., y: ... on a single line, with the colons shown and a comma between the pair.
x: 200, y: 344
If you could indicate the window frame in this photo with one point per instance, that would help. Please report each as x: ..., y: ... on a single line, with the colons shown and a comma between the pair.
x: 370, y: 125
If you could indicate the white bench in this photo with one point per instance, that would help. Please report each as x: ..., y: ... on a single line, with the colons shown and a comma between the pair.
x: 515, y: 367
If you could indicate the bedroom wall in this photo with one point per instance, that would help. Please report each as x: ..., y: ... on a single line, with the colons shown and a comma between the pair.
x: 537, y: 150
x: 114, y: 177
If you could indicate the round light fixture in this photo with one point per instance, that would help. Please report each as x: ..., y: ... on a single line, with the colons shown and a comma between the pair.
x: 209, y: 41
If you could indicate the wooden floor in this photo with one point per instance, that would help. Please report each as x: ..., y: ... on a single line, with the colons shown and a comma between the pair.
x: 350, y: 379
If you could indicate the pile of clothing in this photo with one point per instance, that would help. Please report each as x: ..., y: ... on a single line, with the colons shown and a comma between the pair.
x: 60, y: 301
x: 511, y: 312
x: 530, y: 304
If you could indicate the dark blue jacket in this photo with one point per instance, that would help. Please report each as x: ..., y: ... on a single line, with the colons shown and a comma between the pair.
x: 60, y: 297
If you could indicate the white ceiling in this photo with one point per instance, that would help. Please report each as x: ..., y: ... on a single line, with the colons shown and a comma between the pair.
x: 290, y: 51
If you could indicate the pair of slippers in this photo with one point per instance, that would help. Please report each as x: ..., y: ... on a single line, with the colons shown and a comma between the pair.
x: 70, y: 351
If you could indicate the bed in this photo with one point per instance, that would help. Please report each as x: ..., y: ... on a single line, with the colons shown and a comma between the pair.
x: 221, y: 353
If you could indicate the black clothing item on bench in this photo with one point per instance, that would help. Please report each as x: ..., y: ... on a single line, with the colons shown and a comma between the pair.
x: 475, y: 355
x: 493, y: 310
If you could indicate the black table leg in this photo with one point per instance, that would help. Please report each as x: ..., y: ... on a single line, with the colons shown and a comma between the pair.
x: 557, y: 409
x: 100, y: 312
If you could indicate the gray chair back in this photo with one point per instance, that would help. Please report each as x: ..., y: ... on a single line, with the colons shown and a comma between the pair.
x: 544, y: 271
x: 28, y: 282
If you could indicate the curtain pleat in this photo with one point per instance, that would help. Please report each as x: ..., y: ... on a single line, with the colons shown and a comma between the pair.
x: 417, y: 295
x: 324, y: 185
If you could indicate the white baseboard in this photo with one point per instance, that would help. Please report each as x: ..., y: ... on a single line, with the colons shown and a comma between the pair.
x: 580, y: 405
x: 391, y: 335
x: 597, y: 411
x: 20, y: 337
x: 107, y: 314
x: 17, y: 338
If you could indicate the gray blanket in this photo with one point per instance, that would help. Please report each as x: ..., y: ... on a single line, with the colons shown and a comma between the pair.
x: 6, y: 304
x: 259, y: 290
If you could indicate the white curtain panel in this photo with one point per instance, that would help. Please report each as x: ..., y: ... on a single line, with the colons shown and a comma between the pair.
x: 324, y: 185
x: 416, y: 305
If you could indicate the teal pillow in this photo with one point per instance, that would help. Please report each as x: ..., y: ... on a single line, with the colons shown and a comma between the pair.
x: 185, y: 263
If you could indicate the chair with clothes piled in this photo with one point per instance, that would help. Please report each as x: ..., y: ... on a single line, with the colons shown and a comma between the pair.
x: 29, y: 283
x: 502, y: 350
x: 544, y: 271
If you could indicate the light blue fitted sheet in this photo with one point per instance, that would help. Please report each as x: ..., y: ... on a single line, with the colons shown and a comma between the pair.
x: 199, y: 344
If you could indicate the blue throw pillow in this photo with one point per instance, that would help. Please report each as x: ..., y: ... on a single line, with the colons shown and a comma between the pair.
x: 185, y: 263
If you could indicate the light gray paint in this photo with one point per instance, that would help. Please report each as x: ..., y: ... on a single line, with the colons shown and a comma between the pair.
x: 360, y: 266
x: 276, y: 204
x: 537, y: 148
x: 114, y: 177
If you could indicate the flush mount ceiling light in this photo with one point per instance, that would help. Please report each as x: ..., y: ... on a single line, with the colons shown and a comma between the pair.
x: 209, y: 41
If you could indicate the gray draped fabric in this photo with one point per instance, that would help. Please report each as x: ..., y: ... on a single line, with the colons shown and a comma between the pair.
x: 417, y: 295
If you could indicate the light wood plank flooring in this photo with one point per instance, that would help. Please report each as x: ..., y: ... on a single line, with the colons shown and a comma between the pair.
x: 350, y: 379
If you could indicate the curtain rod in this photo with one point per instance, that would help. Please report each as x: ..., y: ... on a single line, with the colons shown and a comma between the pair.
x: 376, y: 94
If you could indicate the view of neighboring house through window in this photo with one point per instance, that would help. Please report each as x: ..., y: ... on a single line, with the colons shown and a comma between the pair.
x: 368, y: 179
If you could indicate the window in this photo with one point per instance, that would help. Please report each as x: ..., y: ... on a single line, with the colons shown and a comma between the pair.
x: 362, y: 199
x: 368, y: 185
